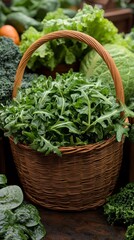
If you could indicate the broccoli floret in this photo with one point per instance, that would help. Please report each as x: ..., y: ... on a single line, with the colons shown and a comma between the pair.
x: 10, y: 57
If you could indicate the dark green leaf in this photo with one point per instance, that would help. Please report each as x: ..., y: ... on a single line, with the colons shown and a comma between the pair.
x: 10, y: 197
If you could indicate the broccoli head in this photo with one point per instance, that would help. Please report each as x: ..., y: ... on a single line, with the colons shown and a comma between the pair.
x: 10, y: 56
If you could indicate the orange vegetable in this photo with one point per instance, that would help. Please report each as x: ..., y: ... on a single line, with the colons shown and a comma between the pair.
x: 11, y: 32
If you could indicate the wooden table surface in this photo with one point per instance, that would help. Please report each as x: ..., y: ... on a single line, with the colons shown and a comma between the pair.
x: 86, y: 225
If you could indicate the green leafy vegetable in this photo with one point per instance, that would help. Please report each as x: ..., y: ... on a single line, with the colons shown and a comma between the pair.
x: 4, y: 10
x: 6, y: 218
x: 38, y: 232
x: 10, y: 197
x: 86, y: 20
x: 32, y: 12
x: 19, y: 220
x: 16, y: 233
x: 129, y: 40
x: 69, y: 3
x: 119, y: 208
x: 70, y: 110
x: 35, y: 9
x: 9, y: 59
x: 130, y: 232
x: 94, y: 65
x: 27, y: 214
x: 3, y: 180
x: 15, y: 19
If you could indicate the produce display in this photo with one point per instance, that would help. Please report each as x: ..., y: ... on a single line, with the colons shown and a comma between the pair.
x: 19, y: 220
x: 72, y: 109
x: 69, y: 51
x: 25, y: 13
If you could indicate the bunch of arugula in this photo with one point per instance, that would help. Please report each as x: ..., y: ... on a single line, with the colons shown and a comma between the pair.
x: 19, y: 220
x: 69, y: 110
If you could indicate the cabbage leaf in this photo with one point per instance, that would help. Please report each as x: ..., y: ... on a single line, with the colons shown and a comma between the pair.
x: 94, y: 65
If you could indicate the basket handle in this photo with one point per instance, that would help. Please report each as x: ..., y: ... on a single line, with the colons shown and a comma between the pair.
x: 78, y: 36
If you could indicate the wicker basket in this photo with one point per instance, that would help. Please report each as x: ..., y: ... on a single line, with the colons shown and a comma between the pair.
x: 85, y: 175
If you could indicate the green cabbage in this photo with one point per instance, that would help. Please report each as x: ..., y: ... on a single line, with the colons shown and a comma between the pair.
x: 94, y: 65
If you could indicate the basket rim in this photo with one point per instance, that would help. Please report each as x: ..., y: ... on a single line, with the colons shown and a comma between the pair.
x: 70, y: 149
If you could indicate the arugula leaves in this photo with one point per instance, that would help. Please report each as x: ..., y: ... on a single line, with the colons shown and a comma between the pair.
x: 70, y: 110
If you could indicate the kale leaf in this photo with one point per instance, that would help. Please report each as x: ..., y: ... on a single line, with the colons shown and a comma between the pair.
x: 119, y: 209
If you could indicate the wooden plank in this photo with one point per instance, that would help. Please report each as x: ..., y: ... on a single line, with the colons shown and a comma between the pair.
x: 122, y: 18
x: 86, y: 225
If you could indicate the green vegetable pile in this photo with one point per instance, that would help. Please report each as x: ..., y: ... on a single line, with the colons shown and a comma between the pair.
x: 19, y: 220
x: 69, y: 110
x: 88, y: 20
x: 119, y: 209
x: 25, y: 13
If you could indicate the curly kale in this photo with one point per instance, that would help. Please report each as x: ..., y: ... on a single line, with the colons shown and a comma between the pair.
x: 9, y: 59
x: 130, y: 232
x: 119, y: 208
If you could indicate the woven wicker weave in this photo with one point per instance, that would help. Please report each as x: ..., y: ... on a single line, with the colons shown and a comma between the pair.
x: 85, y: 175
